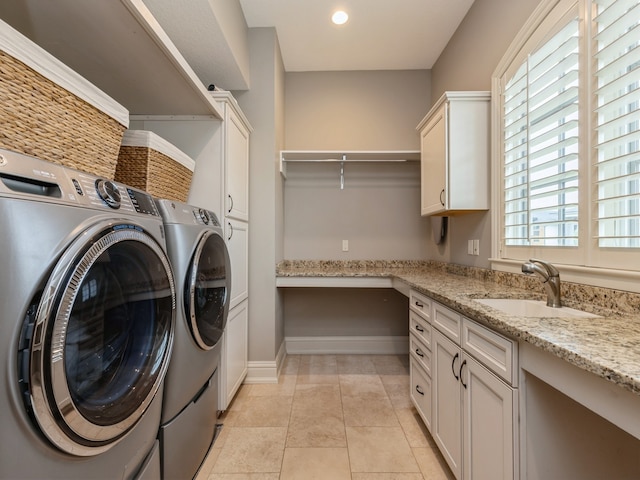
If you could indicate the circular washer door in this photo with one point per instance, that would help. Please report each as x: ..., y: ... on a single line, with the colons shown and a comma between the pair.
x: 207, y: 292
x: 99, y: 340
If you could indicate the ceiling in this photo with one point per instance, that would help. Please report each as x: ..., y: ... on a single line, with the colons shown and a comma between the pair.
x: 380, y: 34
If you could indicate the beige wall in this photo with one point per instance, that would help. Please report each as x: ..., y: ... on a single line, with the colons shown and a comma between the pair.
x: 467, y: 63
x: 378, y: 210
x: 373, y: 110
x: 264, y: 105
x: 478, y: 44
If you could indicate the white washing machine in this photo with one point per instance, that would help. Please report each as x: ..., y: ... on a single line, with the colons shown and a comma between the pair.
x: 87, y: 315
x: 200, y: 260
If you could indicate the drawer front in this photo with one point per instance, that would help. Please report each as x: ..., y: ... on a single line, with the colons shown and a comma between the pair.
x: 420, y: 352
x: 447, y: 321
x: 421, y: 304
x: 497, y: 353
x: 421, y: 392
x: 419, y: 327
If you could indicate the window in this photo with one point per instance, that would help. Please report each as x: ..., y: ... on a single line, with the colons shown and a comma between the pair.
x: 567, y: 147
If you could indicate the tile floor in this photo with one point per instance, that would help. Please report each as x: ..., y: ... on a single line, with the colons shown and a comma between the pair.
x: 329, y: 417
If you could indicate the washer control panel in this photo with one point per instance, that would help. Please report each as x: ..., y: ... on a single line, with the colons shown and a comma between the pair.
x: 108, y: 192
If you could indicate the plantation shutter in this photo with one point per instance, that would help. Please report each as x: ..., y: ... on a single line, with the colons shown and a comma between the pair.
x: 541, y: 144
x: 617, y: 61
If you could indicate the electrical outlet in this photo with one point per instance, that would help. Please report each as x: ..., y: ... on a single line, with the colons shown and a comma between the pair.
x: 469, y: 247
x: 345, y: 245
x: 476, y: 247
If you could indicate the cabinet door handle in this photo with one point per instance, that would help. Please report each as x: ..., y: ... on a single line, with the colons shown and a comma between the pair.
x: 418, y: 304
x: 419, y: 328
x: 464, y: 362
x: 419, y: 391
x: 419, y: 353
x: 452, y: 366
x: 230, y: 231
x: 231, y: 203
x: 442, y: 197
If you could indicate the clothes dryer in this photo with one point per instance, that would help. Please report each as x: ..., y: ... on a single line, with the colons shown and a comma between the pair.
x: 87, y: 315
x: 198, y: 253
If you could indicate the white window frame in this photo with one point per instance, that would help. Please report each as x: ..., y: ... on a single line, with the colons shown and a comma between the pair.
x: 584, y: 264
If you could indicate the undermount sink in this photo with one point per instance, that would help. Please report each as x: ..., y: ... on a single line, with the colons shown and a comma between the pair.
x: 532, y: 308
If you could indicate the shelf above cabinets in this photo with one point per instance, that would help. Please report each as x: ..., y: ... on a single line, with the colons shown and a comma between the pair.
x: 343, y: 157
x: 119, y: 47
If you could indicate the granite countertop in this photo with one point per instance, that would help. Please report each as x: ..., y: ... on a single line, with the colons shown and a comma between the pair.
x: 608, y: 346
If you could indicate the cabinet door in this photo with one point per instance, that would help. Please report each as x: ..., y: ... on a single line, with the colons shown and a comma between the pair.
x: 447, y: 399
x: 237, y: 234
x: 488, y: 421
x: 234, y: 356
x: 433, y: 164
x: 237, y: 165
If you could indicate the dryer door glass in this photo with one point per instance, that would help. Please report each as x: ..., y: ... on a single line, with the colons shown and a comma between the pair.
x: 207, y: 291
x: 102, y: 339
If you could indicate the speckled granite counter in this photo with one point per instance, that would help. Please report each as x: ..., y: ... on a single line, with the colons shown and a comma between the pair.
x: 608, y: 346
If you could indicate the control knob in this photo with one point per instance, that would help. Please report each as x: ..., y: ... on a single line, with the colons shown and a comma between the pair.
x: 108, y: 192
x: 204, y: 216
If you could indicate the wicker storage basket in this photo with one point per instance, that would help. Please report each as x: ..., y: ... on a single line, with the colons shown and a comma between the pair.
x: 148, y: 162
x: 42, y: 119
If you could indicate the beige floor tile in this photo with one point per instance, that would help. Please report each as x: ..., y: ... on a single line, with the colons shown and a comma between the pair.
x: 387, y: 476
x: 252, y: 450
x: 395, y: 380
x: 379, y: 449
x: 241, y: 395
x: 356, y: 364
x: 354, y: 385
x: 432, y: 464
x: 315, y: 464
x: 317, y: 430
x: 399, y: 395
x: 271, y: 411
x: 244, y: 476
x: 291, y: 365
x: 318, y: 365
x: 321, y: 397
x: 414, y: 428
x: 391, y: 364
x: 314, y: 397
x: 286, y: 386
x: 368, y: 411
x: 316, y: 379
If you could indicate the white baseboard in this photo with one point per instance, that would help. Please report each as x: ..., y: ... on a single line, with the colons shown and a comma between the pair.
x: 348, y: 345
x: 266, y: 372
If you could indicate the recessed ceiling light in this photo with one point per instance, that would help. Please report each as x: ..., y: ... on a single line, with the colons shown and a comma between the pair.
x: 339, y: 17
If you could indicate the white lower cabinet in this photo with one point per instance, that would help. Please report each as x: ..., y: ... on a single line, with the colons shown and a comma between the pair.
x: 447, y: 401
x: 472, y: 413
x: 234, y: 353
x: 489, y: 440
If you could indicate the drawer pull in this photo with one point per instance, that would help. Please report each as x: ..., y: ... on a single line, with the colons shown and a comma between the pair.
x: 464, y: 362
x: 452, y: 364
x: 419, y: 353
x: 418, y: 304
x: 419, y: 328
x: 419, y: 391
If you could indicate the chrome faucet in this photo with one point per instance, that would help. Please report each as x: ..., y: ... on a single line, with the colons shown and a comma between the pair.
x: 550, y: 278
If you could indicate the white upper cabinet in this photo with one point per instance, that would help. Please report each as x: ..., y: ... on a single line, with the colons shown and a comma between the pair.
x: 454, y: 142
x: 235, y: 144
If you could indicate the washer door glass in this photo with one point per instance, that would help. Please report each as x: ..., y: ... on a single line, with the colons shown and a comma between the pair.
x: 207, y: 291
x: 102, y: 341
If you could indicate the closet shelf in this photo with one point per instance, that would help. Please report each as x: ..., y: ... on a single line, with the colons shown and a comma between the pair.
x: 345, y: 156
